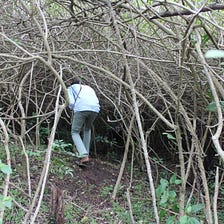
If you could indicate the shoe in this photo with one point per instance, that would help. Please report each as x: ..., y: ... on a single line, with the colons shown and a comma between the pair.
x: 80, y: 164
x: 83, y: 162
x: 85, y: 159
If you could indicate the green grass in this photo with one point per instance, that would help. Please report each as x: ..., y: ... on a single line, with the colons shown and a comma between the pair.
x: 81, y: 211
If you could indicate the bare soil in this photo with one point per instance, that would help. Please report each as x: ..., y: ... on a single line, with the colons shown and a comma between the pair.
x: 90, y: 188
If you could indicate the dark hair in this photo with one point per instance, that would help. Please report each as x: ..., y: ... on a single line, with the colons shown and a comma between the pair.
x: 76, y: 82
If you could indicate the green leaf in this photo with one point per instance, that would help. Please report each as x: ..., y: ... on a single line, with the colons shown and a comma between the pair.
x: 169, y: 136
x: 172, y: 194
x: 173, y: 179
x: 205, y: 39
x: 196, y: 208
x: 192, y: 220
x: 170, y: 220
x: 6, y: 169
x: 212, y: 106
x: 178, y: 181
x: 164, y: 198
x: 176, y: 207
x: 164, y: 183
x: 159, y: 191
x: 183, y: 220
x: 17, y: 41
x: 214, y: 54
x: 189, y: 209
x: 8, y: 202
x: 162, y: 213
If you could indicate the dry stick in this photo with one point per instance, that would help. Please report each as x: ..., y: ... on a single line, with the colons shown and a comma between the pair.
x: 206, y: 195
x: 20, y: 105
x: 195, y: 10
x: 178, y: 137
x: 61, y: 108
x: 19, y: 205
x: 130, y: 207
x: 137, y: 114
x: 44, y: 35
x: 190, y: 150
x: 184, y: 175
x: 192, y: 191
x: 216, y: 136
x: 35, y: 196
x: 124, y: 158
x: 37, y: 129
x: 115, y: 78
x: 48, y: 64
x: 130, y: 184
x: 33, y: 57
x: 27, y: 166
x: 23, y: 131
x: 146, y: 17
x: 195, y: 140
x: 44, y: 175
x: 216, y: 193
x: 28, y: 97
x: 43, y: 178
x: 189, y: 12
x: 182, y: 171
x: 8, y: 159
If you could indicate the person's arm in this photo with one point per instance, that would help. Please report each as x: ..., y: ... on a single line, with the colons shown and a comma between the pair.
x: 71, y: 98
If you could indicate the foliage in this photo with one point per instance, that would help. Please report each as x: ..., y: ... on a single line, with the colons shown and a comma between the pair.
x: 6, y: 169
x: 105, y: 140
x: 16, y: 214
x: 44, y: 133
x: 169, y: 203
x: 75, y: 211
x: 5, y: 202
x: 166, y: 192
x: 212, y: 106
x: 55, y: 10
x: 169, y: 136
x: 37, y: 154
x: 121, y: 212
x: 106, y: 191
x: 58, y: 165
x: 48, y: 42
x: 61, y: 146
x: 59, y: 168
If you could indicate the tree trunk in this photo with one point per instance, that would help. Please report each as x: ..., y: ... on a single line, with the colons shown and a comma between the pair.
x: 57, y: 205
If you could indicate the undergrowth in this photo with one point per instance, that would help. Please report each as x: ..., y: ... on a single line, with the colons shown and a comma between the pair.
x: 101, y: 208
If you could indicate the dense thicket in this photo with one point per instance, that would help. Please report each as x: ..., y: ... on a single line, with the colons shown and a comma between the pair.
x: 144, y: 58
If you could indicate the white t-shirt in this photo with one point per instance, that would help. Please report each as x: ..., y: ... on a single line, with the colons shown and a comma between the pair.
x: 83, y: 98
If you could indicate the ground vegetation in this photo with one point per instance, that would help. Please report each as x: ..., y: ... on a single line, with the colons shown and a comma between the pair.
x: 157, y: 67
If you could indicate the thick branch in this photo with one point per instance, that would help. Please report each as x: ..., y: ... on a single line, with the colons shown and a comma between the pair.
x: 189, y: 12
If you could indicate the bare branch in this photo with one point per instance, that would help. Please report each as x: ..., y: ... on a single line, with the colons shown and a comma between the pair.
x: 209, y: 8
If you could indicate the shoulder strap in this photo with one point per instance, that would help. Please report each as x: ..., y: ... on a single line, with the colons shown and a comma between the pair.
x: 74, y: 94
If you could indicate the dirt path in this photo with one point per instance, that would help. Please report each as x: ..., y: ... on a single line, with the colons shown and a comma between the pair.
x: 90, y: 188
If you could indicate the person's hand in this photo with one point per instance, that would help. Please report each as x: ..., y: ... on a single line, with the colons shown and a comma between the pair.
x: 69, y: 110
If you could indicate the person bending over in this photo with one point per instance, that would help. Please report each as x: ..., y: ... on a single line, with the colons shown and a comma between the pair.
x: 84, y: 103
